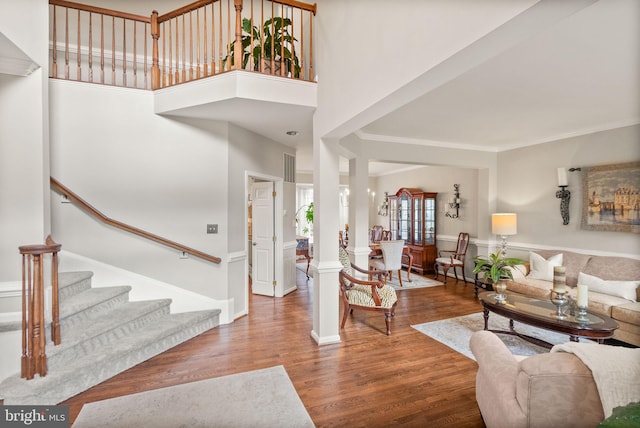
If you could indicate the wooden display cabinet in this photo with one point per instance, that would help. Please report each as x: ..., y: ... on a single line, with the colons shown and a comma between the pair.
x: 412, y: 217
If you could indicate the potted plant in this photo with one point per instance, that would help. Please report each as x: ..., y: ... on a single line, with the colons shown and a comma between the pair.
x: 276, y: 39
x: 498, y: 269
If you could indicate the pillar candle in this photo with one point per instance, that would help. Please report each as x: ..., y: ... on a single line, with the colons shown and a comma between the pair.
x: 559, y: 279
x: 583, y: 295
x: 562, y: 177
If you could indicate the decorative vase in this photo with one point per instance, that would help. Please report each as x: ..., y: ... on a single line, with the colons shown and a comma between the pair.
x: 500, y: 287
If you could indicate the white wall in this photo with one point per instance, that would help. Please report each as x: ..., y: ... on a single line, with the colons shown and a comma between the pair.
x: 165, y: 176
x: 23, y: 137
x: 527, y: 183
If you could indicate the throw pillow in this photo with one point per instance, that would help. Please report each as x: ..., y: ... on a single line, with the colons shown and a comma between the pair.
x: 541, y: 268
x: 625, y: 289
x: 518, y: 271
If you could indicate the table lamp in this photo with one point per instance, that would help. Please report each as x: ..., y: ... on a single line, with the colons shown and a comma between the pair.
x: 504, y: 224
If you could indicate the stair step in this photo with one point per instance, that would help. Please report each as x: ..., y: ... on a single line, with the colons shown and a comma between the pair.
x: 81, y: 307
x: 71, y: 283
x: 101, y: 330
x: 82, y: 373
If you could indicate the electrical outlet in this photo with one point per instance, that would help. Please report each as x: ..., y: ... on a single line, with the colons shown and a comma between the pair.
x: 212, y: 228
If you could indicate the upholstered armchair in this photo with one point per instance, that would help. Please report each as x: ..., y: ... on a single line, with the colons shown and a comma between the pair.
x: 452, y: 259
x: 546, y: 390
x: 369, y: 295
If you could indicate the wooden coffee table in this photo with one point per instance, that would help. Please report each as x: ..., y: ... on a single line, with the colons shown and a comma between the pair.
x: 541, y: 313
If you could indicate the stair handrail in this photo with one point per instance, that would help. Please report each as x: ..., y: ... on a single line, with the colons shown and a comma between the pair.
x: 34, y: 355
x: 55, y: 184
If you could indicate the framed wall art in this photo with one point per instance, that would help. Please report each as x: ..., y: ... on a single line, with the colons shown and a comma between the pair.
x: 611, y: 198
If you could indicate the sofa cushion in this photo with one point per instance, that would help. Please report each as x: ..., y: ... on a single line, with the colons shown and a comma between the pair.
x: 530, y: 287
x: 573, y: 262
x: 542, y: 268
x: 629, y: 313
x: 625, y: 289
x: 602, y: 303
x: 613, y: 268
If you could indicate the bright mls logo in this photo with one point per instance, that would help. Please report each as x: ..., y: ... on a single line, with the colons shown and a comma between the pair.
x: 34, y: 416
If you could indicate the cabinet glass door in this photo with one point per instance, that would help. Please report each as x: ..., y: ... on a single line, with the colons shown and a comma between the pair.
x: 393, y: 217
x: 404, y: 217
x: 417, y: 221
x: 430, y: 220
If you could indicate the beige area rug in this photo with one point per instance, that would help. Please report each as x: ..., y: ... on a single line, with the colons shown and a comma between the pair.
x: 261, y: 398
x: 456, y: 333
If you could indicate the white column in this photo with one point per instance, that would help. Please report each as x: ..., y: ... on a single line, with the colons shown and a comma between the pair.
x: 326, y: 191
x: 359, y: 211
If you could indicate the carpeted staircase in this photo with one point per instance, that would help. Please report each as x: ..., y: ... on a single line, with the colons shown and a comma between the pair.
x: 103, y: 334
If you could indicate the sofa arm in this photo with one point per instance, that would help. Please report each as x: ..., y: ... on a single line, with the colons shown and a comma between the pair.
x: 496, y: 382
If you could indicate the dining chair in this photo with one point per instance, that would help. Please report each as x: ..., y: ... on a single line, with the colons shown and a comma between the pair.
x: 391, y: 259
x: 455, y: 258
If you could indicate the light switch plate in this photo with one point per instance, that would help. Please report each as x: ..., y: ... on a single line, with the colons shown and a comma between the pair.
x: 212, y: 228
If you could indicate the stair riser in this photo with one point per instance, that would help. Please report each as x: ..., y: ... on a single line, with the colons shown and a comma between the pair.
x: 102, y: 370
x: 95, y: 344
x: 78, y: 319
x: 75, y: 288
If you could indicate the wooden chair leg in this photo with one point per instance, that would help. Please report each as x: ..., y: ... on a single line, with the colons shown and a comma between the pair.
x: 347, y: 310
x: 387, y: 320
x: 400, y: 277
x: 435, y: 269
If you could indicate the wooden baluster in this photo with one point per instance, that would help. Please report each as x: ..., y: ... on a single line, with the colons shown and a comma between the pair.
x: 184, y: 50
x: 262, y: 60
x: 229, y: 35
x: 66, y: 43
x: 291, y: 71
x: 273, y: 37
x: 311, y: 76
x: 237, y: 53
x: 26, y: 279
x: 113, y: 50
x: 135, y: 56
x: 177, y: 53
x: 205, y: 64
x: 38, y: 325
x: 55, y: 301
x: 54, y: 66
x: 170, y: 57
x: 146, y: 86
x: 198, y: 43
x: 124, y: 52
x: 78, y: 44
x: 190, y: 46
x: 302, y: 64
x: 163, y: 79
x: 220, y: 66
x: 90, y: 47
x: 102, y: 48
x: 251, y: 60
x: 155, y: 34
x: 282, y: 41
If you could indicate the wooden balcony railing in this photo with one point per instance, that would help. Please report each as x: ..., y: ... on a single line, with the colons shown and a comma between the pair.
x: 34, y: 356
x: 56, y: 185
x: 198, y: 40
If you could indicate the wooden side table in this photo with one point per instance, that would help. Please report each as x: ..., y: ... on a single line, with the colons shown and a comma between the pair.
x: 483, y: 283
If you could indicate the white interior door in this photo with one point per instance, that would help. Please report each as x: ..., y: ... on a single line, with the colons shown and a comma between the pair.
x: 263, y: 246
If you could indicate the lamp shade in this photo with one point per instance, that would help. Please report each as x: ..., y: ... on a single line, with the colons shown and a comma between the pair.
x: 504, y: 224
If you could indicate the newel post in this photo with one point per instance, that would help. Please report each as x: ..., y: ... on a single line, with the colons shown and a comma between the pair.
x: 238, y: 51
x: 34, y: 357
x: 155, y: 35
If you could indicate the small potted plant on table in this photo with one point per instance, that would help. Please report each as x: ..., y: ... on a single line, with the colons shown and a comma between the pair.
x: 498, y: 269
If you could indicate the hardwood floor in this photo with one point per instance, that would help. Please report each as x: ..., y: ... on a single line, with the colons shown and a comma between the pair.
x: 369, y: 379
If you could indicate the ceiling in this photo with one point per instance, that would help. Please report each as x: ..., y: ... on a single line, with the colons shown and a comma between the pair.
x: 579, y: 77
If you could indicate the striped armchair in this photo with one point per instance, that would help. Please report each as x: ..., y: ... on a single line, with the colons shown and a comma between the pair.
x: 367, y: 295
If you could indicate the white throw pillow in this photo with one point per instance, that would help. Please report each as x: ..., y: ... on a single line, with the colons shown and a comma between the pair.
x: 541, y: 268
x: 518, y: 272
x: 625, y: 289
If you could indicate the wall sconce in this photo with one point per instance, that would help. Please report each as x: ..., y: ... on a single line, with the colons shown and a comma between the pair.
x: 504, y: 224
x: 454, y: 203
x: 384, y: 207
x: 563, y: 194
